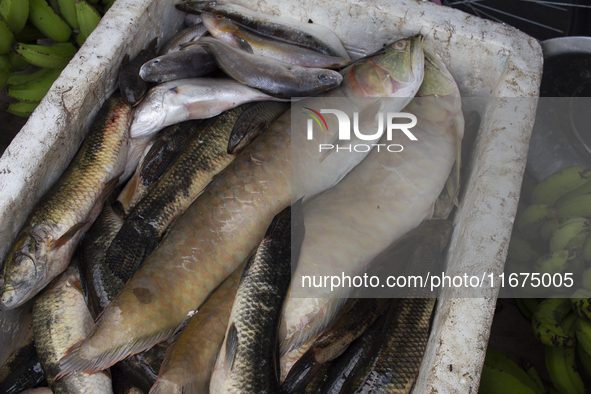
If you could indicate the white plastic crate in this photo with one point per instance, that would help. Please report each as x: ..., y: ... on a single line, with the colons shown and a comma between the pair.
x: 487, y: 59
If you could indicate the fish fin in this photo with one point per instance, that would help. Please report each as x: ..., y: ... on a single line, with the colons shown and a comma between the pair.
x: 67, y: 236
x: 109, y: 187
x: 125, y: 60
x: 72, y: 361
x: 311, y: 332
x: 153, y: 44
x: 243, y: 44
x: 231, y: 344
x: 301, y: 373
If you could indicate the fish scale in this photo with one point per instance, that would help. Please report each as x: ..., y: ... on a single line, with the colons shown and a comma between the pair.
x: 214, y: 236
x: 67, y: 210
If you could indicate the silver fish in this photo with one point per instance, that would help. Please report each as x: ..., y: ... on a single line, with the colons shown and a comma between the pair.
x: 185, y: 99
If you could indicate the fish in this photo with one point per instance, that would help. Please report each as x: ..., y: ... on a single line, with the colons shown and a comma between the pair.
x: 307, y: 35
x: 41, y: 390
x: 248, y: 361
x: 156, y: 159
x: 46, y: 242
x: 22, y: 370
x: 317, y: 380
x: 271, y: 76
x: 252, y: 121
x: 223, y: 29
x: 131, y: 85
x: 193, y: 98
x: 395, y: 357
x: 387, y: 195
x: 135, y: 151
x: 190, y: 62
x: 15, y: 325
x: 348, y: 363
x: 357, y: 316
x: 191, y: 33
x: 189, y: 362
x: 60, y: 318
x: 220, y: 229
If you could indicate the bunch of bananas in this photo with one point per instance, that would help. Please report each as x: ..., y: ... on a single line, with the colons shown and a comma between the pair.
x: 67, y: 23
x: 500, y: 375
x: 553, y: 236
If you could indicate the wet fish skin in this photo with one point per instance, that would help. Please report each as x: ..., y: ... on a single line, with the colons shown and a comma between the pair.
x: 357, y: 316
x: 248, y: 360
x: 209, y: 241
x: 46, y: 242
x: 189, y: 62
x: 223, y: 29
x: 131, y: 85
x: 22, y: 370
x: 190, y: 359
x: 189, y: 34
x: 15, y: 325
x: 193, y: 98
x: 254, y: 120
x: 350, y: 361
x: 304, y: 34
x: 192, y: 19
x: 395, y: 359
x: 155, y: 160
x: 60, y: 318
x: 274, y: 77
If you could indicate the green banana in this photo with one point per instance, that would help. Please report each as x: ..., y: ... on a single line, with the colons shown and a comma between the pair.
x: 521, y: 250
x: 584, y: 189
x: 586, y: 279
x: 559, y: 261
x: 584, y: 334
x: 548, y: 228
x: 17, y: 79
x: 532, y: 218
x: 581, y: 303
x: 6, y: 37
x: 585, y: 358
x: 15, y: 12
x: 497, y: 360
x: 48, y: 22
x: 35, y: 90
x: 559, y: 183
x: 68, y: 12
x: 56, y: 56
x: 88, y: 18
x: 18, y: 63
x: 565, y: 233
x: 22, y: 109
x: 495, y: 381
x: 533, y: 374
x: 546, y: 322
x: 5, y: 64
x: 527, y: 306
x: 578, y: 240
x: 561, y: 363
x: 576, y: 206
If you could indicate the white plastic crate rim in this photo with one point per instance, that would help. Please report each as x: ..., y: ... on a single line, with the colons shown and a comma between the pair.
x: 486, y: 59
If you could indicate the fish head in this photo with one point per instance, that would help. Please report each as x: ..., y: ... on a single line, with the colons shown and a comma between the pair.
x: 220, y: 27
x: 20, y: 274
x: 394, y: 71
x: 437, y: 80
x: 150, y: 113
x: 317, y: 79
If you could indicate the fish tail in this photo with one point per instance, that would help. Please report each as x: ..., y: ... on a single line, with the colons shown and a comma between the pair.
x: 73, y: 360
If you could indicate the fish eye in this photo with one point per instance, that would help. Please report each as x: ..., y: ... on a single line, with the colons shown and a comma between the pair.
x: 157, y: 61
x: 322, y: 77
x: 219, y: 17
x: 159, y: 80
x: 401, y: 45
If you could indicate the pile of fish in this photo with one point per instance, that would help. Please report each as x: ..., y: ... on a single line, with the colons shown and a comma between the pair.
x: 161, y: 260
